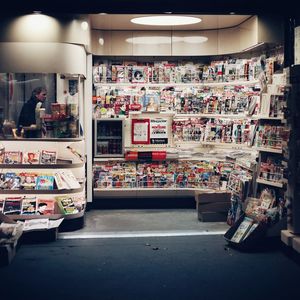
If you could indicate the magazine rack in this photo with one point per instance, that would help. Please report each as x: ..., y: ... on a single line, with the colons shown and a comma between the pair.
x: 251, y: 241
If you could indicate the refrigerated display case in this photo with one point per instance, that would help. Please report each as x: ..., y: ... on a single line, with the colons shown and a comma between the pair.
x: 109, y: 138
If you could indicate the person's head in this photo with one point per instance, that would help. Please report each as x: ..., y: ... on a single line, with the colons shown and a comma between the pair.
x: 40, y: 93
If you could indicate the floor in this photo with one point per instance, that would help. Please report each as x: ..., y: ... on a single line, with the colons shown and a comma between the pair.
x: 144, y: 222
x: 149, y: 254
x: 149, y: 268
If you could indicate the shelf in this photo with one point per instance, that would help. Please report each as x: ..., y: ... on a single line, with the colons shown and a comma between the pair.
x: 258, y: 117
x: 271, y: 150
x: 152, y: 189
x: 39, y: 166
x: 224, y: 145
x: 220, y: 116
x: 196, y: 84
x: 42, y: 192
x: 271, y: 183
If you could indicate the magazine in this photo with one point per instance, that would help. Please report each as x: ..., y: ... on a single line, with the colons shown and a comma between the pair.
x: 12, y: 181
x: 68, y: 177
x: 45, y: 206
x: 45, y: 182
x: 34, y: 224
x: 12, y: 205
x: 29, y: 206
x: 66, y: 204
x: 48, y: 157
x: 242, y: 230
x: 12, y: 157
x: 60, y: 182
x: 31, y: 157
x: 28, y: 180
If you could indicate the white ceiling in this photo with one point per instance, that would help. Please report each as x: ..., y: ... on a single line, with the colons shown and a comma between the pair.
x: 122, y: 22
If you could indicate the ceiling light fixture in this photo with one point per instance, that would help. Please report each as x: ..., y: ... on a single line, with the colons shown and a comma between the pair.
x: 166, y: 20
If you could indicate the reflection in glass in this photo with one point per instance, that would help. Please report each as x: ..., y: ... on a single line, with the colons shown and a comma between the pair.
x: 50, y: 104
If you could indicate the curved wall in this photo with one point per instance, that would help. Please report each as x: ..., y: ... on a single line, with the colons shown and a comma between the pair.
x: 44, y: 44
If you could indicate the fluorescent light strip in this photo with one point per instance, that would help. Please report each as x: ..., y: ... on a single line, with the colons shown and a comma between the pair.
x: 166, y: 20
x: 135, y: 234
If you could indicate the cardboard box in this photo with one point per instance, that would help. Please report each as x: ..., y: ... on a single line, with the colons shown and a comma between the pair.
x: 212, y: 216
x: 212, y: 207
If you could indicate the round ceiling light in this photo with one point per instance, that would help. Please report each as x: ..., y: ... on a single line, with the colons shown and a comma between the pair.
x: 166, y: 20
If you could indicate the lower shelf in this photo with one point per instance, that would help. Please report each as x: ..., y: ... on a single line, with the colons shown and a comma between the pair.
x: 148, y: 192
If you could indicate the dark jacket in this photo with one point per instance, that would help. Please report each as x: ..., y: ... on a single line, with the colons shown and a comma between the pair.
x: 27, y: 115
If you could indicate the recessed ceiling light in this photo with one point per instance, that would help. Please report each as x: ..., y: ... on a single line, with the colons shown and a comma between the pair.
x: 166, y: 20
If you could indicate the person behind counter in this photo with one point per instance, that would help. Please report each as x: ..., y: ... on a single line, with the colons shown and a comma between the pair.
x: 27, y: 115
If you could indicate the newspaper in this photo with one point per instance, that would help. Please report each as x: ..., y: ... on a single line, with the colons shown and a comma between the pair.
x: 41, y: 224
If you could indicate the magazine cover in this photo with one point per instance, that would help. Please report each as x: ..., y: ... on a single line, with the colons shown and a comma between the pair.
x: 69, y: 178
x: 28, y: 180
x: 48, y: 157
x: 12, y: 181
x: 45, y: 182
x: 31, y: 157
x: 66, y: 204
x: 152, y: 103
x: 13, y: 157
x: 29, y: 206
x: 139, y: 74
x: 12, y: 205
x: 45, y: 206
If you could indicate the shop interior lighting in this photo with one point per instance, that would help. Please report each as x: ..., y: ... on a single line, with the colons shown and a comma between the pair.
x: 166, y: 20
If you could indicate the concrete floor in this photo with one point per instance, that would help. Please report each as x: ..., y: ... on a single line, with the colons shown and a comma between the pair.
x: 144, y: 222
